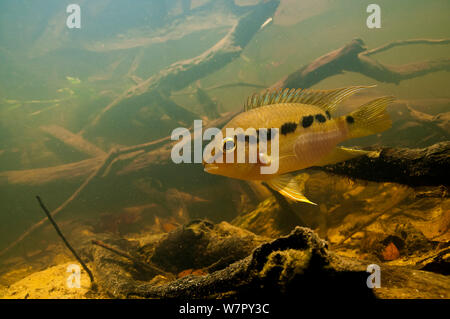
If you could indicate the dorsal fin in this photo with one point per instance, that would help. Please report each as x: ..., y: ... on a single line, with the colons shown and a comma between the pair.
x: 325, y: 99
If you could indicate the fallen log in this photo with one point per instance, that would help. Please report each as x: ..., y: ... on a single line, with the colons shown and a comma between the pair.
x: 414, y: 167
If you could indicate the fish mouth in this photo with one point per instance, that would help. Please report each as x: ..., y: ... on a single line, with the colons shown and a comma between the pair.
x: 210, y: 168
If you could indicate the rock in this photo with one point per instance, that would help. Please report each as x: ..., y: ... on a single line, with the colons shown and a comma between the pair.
x: 200, y: 244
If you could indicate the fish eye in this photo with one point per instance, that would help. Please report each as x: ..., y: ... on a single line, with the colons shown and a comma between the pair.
x: 228, y: 144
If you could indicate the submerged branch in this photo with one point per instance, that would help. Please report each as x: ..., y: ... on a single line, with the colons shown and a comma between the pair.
x: 182, y: 73
x: 100, y: 168
x: 74, y: 253
x: 147, y: 266
x: 355, y: 57
x: 414, y: 167
x: 393, y: 44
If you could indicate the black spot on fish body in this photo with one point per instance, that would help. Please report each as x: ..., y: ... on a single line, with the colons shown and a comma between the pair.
x: 288, y: 127
x: 271, y: 135
x: 307, y: 121
x: 350, y: 119
x: 255, y: 139
x: 328, y: 114
x: 320, y: 118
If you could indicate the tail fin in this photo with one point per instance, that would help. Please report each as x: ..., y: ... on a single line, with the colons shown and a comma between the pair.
x: 370, y: 118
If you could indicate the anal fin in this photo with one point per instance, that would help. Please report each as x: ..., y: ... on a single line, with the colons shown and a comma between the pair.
x: 290, y: 186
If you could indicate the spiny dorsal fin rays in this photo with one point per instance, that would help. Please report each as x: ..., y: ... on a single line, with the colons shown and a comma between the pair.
x: 325, y: 99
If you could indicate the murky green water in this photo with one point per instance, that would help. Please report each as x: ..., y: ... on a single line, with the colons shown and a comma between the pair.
x: 70, y: 96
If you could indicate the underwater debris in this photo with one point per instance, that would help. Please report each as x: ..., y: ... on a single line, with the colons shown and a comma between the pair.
x: 182, y: 73
x: 203, y: 245
x: 148, y: 266
x: 413, y: 167
x: 127, y: 98
x: 95, y: 169
x: 299, y: 264
x: 355, y: 57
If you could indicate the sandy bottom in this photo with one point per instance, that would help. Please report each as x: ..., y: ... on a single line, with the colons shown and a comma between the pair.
x: 50, y: 283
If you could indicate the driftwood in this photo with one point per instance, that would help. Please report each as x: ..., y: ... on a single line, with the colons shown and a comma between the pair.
x: 98, y: 169
x: 414, y: 167
x: 137, y: 262
x: 179, y: 74
x: 183, y: 73
x: 299, y: 264
x: 355, y: 57
x: 234, y: 279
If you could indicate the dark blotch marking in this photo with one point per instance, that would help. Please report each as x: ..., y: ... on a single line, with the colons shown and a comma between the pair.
x: 350, y: 119
x: 307, y: 121
x: 270, y: 136
x: 288, y: 127
x: 320, y: 118
x: 328, y: 114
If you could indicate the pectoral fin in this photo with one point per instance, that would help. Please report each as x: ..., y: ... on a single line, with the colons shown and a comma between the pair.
x: 341, y: 154
x: 290, y: 186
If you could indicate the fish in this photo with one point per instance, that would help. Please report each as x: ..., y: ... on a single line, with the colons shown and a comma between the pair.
x: 308, y: 135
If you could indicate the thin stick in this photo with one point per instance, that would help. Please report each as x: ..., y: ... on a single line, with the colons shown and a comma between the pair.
x: 392, y: 44
x: 91, y: 277
x: 60, y: 208
x: 147, y: 266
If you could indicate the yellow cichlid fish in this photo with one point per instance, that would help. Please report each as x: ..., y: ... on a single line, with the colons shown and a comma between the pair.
x: 308, y: 134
